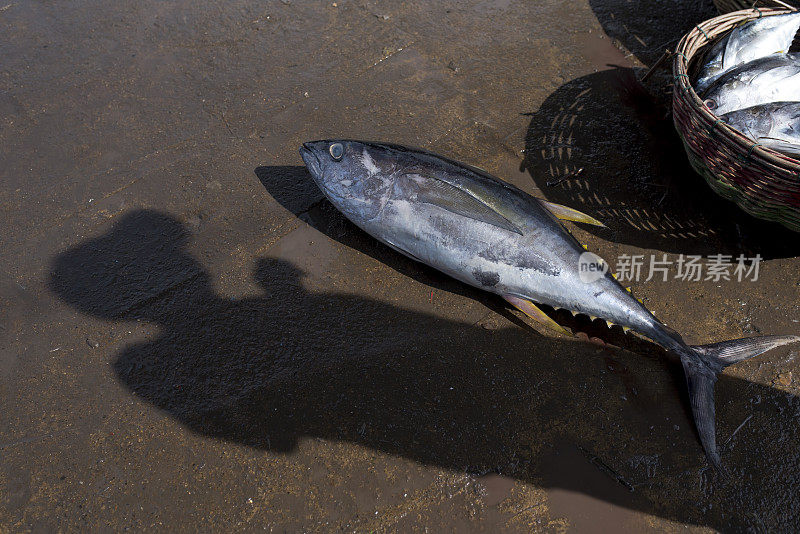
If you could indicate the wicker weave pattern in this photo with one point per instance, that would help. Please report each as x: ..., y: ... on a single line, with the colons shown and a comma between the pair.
x: 762, y: 182
x: 726, y: 6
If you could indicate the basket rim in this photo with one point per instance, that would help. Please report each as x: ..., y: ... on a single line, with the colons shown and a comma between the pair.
x: 695, y: 41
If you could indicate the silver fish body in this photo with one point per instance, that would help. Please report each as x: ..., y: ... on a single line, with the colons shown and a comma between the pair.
x: 775, y: 125
x: 752, y: 40
x: 774, y: 78
x: 519, y: 250
x: 491, y: 235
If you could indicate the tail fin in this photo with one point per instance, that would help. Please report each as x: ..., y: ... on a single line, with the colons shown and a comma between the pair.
x: 702, y: 365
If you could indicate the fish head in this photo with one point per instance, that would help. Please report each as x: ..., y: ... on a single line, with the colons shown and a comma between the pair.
x: 772, y: 78
x: 356, y: 177
x: 725, y: 98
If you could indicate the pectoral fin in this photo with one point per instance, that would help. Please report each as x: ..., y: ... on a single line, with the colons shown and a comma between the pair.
x: 431, y: 190
x: 529, y: 308
x: 568, y: 214
x: 401, y: 251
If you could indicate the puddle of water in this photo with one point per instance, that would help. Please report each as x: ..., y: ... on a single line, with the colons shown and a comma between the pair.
x: 575, y: 482
x: 497, y: 488
x: 601, y: 52
x: 309, y: 250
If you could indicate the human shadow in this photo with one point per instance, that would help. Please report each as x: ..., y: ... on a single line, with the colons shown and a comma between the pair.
x: 290, y: 363
x: 605, y: 144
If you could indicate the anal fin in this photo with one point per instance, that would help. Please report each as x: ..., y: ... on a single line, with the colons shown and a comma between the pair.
x: 529, y: 308
x: 566, y: 213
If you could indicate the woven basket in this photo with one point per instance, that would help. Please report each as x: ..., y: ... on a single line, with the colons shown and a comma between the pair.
x: 764, y: 183
x: 726, y: 6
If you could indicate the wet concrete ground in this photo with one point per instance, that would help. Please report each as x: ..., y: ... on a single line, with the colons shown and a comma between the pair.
x: 192, y: 339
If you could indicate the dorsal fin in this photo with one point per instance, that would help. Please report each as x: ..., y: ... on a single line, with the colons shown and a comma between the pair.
x: 568, y: 214
x: 432, y: 190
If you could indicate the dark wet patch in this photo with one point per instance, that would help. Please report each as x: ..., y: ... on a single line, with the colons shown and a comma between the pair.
x: 486, y: 279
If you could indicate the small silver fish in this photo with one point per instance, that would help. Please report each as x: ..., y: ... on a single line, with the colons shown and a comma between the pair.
x: 774, y: 78
x: 752, y: 40
x: 493, y: 236
x: 775, y: 125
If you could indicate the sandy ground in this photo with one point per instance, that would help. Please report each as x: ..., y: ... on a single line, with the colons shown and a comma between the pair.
x: 191, y: 338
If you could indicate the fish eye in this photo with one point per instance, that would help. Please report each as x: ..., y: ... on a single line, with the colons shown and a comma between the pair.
x: 337, y: 151
x: 710, y: 104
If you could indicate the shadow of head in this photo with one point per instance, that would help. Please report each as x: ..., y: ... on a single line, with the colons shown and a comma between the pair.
x: 288, y: 363
x: 114, y: 276
x: 605, y: 145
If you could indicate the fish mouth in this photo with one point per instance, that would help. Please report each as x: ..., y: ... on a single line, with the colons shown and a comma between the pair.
x: 310, y: 159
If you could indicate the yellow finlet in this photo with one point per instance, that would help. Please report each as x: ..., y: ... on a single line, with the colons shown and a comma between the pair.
x: 529, y: 308
x: 566, y: 213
